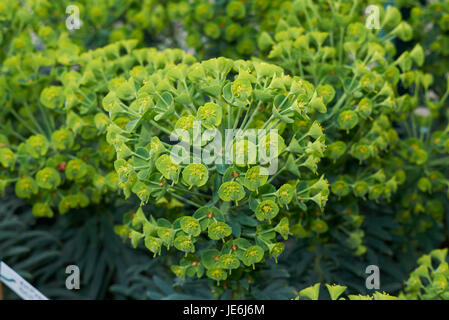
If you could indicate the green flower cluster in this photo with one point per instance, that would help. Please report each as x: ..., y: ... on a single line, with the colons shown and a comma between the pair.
x: 335, y: 292
x: 219, y: 94
x: 359, y: 79
x: 422, y: 152
x: 225, y: 28
x: 430, y: 23
x: 31, y: 23
x: 423, y: 155
x: 53, y: 144
x: 429, y: 281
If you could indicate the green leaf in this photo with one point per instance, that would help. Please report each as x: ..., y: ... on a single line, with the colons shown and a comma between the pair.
x: 311, y: 292
x: 335, y: 291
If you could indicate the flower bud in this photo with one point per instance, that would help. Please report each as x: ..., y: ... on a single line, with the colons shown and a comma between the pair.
x: 26, y: 187
x: 48, y: 178
x: 317, y: 104
x: 236, y: 9
x: 267, y: 210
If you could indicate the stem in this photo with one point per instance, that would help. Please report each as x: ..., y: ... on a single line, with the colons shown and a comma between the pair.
x: 192, y: 192
x: 275, y: 175
x: 439, y: 161
x: 236, y: 121
x: 160, y: 127
x: 318, y: 268
x: 340, y: 48
x: 336, y: 107
x: 186, y: 200
x: 23, y: 122
x: 30, y: 115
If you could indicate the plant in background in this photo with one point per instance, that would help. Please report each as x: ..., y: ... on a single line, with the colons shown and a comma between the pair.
x: 421, y: 204
x: 430, y: 23
x: 359, y: 78
x: 27, y: 23
x: 224, y: 28
x: 41, y: 252
x: 417, y: 217
x: 53, y: 146
x: 429, y: 281
x: 422, y: 153
x: 47, y: 150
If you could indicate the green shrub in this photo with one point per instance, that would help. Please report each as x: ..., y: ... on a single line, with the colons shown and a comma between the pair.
x: 426, y: 282
x: 360, y: 119
x: 234, y: 202
x: 55, y: 150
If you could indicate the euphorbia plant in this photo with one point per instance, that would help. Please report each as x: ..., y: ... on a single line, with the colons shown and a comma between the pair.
x: 53, y: 147
x: 354, y: 69
x: 423, y: 156
x: 92, y: 24
x: 430, y: 23
x: 229, y: 158
x: 236, y: 213
x: 224, y: 28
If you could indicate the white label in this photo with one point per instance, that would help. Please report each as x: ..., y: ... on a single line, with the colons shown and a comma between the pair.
x: 18, y: 284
